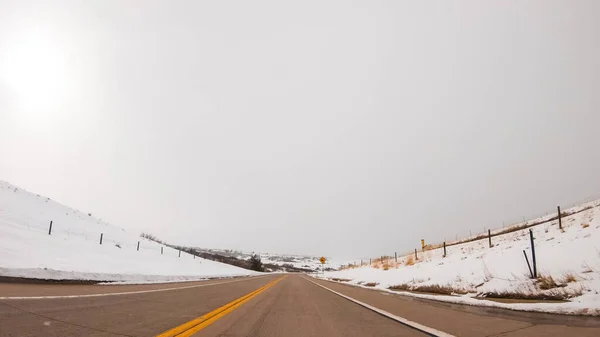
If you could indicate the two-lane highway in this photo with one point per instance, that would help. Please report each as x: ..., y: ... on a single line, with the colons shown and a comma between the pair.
x: 272, y: 305
x: 134, y: 311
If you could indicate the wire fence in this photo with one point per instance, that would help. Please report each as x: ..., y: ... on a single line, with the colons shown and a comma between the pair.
x: 77, y: 228
x: 521, y: 223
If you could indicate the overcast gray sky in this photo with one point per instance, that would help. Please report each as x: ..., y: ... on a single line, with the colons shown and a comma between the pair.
x: 341, y: 128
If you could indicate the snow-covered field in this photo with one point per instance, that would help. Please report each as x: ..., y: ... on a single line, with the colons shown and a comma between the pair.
x: 571, y: 257
x: 297, y: 261
x: 73, y: 250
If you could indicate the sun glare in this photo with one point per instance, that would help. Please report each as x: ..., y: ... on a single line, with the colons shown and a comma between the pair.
x: 34, y: 69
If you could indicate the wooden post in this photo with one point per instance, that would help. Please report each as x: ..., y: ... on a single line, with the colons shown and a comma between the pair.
x: 444, y: 248
x: 180, y: 253
x: 559, y: 218
x: 138, y: 248
x: 490, y: 237
x: 370, y: 262
x: 161, y: 250
x: 101, y: 235
x: 50, y: 230
x: 533, y: 254
x: 396, y: 256
x: 416, y: 257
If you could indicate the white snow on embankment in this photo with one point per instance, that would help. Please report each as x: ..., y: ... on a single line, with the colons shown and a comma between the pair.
x: 73, y: 250
x: 570, y: 256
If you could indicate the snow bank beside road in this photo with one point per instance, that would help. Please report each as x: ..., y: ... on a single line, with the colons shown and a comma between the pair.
x: 73, y: 250
x: 571, y: 258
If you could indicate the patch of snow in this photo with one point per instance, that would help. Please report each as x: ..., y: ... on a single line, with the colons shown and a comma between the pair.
x: 73, y: 250
x: 478, y: 270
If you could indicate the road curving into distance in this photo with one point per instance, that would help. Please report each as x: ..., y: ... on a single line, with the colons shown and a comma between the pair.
x: 271, y: 305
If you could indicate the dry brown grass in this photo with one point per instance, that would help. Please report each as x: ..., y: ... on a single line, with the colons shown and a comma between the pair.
x: 402, y: 286
x: 568, y: 278
x: 585, y: 225
x: 370, y: 284
x: 409, y: 261
x: 439, y: 289
x: 386, y: 266
x: 349, y: 266
x: 340, y: 279
x: 546, y: 282
x: 432, y: 289
x: 553, y: 295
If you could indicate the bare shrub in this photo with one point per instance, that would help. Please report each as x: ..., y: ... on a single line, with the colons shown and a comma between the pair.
x: 152, y: 238
x: 568, y: 278
x: 256, y: 263
x: 585, y: 225
x: 546, y: 282
x: 409, y: 261
x: 370, y: 284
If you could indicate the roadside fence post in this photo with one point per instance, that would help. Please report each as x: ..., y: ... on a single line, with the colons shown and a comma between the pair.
x: 180, y: 253
x: 50, y: 230
x: 416, y: 257
x: 444, y: 248
x: 528, y: 265
x: 559, y: 218
x: 161, y: 250
x: 396, y: 256
x: 101, y: 235
x: 490, y: 237
x: 533, y: 254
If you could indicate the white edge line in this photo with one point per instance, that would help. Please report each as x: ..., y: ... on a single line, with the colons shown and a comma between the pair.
x: 123, y: 293
x: 402, y: 320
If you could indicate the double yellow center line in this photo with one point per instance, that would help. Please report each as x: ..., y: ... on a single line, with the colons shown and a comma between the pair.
x: 197, y: 324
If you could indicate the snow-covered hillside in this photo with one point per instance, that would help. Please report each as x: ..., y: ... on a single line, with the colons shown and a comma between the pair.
x: 73, y: 250
x: 568, y: 263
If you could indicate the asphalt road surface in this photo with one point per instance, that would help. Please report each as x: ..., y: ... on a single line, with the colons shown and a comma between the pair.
x: 273, y: 305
